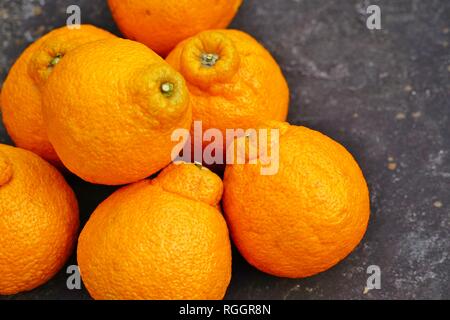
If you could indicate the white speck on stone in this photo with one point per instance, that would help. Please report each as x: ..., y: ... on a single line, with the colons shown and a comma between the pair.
x: 408, y: 88
x: 290, y: 291
x: 416, y: 115
x: 392, y: 166
x: 438, y: 204
x: 400, y: 116
x: 28, y: 36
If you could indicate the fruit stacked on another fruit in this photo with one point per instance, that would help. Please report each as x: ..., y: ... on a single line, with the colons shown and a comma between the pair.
x: 110, y: 108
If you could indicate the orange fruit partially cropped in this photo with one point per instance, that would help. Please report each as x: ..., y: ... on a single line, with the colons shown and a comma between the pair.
x: 162, y: 24
x: 38, y: 220
x: 21, y: 93
x: 110, y: 108
x: 233, y: 80
x: 307, y: 216
x: 161, y: 239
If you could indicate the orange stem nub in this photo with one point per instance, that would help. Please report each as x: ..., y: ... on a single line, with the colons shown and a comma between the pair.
x: 192, y: 181
x: 209, y: 58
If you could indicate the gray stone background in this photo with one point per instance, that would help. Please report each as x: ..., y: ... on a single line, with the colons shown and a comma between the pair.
x: 383, y: 94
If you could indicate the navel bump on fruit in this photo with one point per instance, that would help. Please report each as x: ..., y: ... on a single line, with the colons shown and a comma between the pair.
x: 307, y: 217
x: 162, y: 24
x: 233, y: 81
x: 21, y: 97
x: 38, y: 220
x: 159, y: 239
x: 110, y: 108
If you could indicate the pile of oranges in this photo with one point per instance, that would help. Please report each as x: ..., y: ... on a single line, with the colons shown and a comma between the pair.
x: 105, y: 108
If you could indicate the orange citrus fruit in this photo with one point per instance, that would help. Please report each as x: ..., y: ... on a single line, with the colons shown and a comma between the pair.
x: 110, y: 108
x: 159, y: 239
x: 233, y: 81
x: 21, y: 93
x: 307, y: 216
x: 162, y: 24
x: 38, y: 220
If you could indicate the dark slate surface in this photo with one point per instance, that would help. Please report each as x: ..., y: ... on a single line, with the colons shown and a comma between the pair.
x: 383, y: 94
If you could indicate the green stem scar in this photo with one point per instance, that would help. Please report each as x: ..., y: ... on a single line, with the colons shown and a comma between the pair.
x: 55, y: 60
x: 167, y: 89
x: 209, y: 59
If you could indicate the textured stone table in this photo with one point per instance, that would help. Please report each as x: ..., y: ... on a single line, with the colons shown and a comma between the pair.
x: 384, y: 94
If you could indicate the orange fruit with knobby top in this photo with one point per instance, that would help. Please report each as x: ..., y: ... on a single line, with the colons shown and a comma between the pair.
x: 38, y: 220
x: 110, y: 108
x: 21, y: 93
x: 162, y: 24
x: 307, y: 216
x: 233, y: 80
x: 159, y: 239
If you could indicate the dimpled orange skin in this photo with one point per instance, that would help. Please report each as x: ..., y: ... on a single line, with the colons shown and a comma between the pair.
x: 307, y: 217
x: 21, y: 93
x: 38, y: 220
x: 243, y: 88
x: 107, y: 115
x: 162, y: 24
x: 162, y: 239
